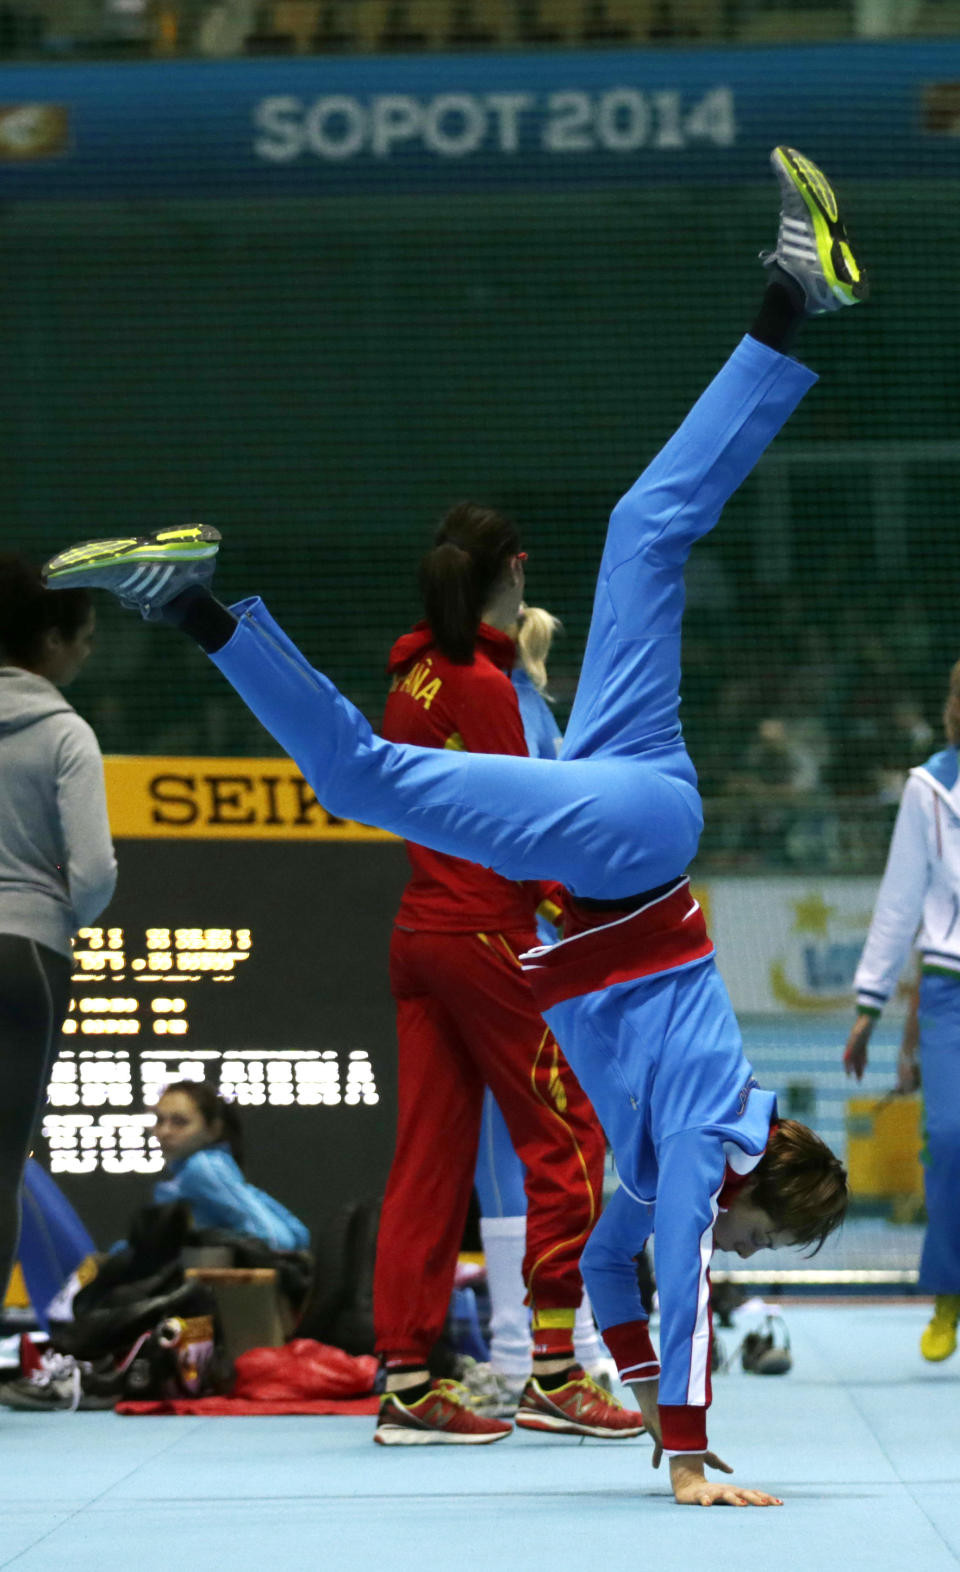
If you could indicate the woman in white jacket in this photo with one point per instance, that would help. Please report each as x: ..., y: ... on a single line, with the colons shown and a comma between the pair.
x: 57, y: 868
x: 921, y: 891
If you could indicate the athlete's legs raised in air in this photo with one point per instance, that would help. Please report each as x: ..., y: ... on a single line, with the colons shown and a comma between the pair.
x: 628, y: 696
x: 619, y: 812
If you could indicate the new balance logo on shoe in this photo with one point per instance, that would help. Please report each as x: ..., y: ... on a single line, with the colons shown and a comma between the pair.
x: 443, y: 1417
x: 580, y: 1407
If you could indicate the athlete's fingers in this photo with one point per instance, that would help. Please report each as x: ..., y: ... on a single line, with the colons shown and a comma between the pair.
x: 713, y: 1461
x: 853, y: 1062
x: 657, y: 1453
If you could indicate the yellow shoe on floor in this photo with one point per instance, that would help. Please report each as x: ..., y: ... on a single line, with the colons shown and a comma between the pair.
x: 939, y: 1339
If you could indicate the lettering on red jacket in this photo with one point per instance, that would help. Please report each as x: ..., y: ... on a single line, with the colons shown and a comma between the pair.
x: 420, y: 682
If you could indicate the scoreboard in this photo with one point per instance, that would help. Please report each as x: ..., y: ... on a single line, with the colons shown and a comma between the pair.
x: 255, y: 961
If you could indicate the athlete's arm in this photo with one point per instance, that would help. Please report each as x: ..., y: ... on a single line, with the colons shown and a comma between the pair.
x: 896, y: 918
x: 647, y: 1398
x: 908, y: 1066
x: 212, y: 1178
x: 692, y: 1167
x: 90, y: 866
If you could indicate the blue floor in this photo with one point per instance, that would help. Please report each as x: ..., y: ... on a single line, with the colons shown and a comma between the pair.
x: 862, y: 1439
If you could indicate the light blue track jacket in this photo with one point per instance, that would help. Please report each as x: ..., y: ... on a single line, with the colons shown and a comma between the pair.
x: 220, y: 1197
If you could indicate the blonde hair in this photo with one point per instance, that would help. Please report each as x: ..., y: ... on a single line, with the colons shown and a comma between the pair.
x: 537, y: 628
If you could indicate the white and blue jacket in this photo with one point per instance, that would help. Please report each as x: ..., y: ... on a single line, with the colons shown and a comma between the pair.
x: 919, y: 897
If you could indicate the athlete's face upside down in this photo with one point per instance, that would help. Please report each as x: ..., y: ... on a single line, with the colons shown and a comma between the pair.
x: 746, y: 1228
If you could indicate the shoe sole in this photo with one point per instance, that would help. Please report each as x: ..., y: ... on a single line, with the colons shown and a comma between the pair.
x: 29, y: 1405
x: 569, y: 1427
x: 196, y: 543
x: 833, y: 246
x: 398, y: 1435
x: 938, y: 1358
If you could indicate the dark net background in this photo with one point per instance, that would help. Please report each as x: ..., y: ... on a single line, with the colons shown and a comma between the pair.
x: 321, y: 379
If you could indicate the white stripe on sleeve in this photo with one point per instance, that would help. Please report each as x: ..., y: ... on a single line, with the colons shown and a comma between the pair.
x: 700, y: 1342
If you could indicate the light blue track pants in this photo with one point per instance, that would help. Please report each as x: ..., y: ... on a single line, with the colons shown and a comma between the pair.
x: 940, y: 1067
x: 619, y: 812
x: 499, y: 1177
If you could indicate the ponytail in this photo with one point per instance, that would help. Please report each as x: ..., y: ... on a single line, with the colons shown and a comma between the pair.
x: 457, y: 576
x: 450, y: 601
x: 537, y: 628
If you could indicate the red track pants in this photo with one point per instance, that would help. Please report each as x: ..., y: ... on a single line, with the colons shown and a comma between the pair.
x: 466, y: 1020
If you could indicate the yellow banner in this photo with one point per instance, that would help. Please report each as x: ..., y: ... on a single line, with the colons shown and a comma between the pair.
x: 220, y: 799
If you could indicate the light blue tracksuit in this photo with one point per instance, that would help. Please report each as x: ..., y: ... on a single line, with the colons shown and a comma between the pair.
x: 939, y: 1022
x: 660, y: 1058
x: 499, y: 1177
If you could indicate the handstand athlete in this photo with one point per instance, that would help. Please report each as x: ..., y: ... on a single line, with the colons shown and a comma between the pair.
x: 632, y: 993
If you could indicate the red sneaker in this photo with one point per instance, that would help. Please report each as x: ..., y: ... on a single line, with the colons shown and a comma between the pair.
x: 578, y: 1408
x: 443, y: 1417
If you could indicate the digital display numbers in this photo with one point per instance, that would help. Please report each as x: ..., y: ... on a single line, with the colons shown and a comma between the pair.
x: 149, y: 984
x: 260, y: 966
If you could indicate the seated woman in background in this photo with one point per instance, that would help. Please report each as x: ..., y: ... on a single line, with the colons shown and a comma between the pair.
x: 200, y: 1137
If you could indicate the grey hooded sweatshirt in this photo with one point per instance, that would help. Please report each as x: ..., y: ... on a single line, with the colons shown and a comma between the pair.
x: 57, y: 868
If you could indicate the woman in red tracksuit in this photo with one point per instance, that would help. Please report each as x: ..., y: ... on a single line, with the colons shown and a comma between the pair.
x: 466, y: 1020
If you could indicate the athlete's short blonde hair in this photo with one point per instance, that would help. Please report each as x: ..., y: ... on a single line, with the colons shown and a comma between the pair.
x: 537, y: 628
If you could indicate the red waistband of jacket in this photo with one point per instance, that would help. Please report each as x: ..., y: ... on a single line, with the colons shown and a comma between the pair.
x: 668, y: 933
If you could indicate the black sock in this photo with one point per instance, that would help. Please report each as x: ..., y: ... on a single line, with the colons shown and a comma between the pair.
x: 200, y: 615
x: 410, y: 1394
x: 781, y: 312
x: 550, y: 1383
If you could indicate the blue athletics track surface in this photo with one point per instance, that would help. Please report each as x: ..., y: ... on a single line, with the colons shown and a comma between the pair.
x: 861, y: 1439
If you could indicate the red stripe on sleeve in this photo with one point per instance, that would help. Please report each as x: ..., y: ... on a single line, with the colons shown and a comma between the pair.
x: 634, y: 1353
x: 684, y: 1428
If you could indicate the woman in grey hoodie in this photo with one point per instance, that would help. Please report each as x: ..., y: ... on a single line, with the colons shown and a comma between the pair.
x: 57, y: 868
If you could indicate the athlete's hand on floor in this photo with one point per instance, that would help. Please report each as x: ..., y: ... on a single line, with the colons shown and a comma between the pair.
x: 692, y: 1488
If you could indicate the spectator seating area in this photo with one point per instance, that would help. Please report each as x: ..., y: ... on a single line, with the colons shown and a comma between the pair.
x: 31, y: 29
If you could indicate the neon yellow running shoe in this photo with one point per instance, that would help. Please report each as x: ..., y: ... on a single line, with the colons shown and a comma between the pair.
x: 145, y: 572
x: 812, y: 243
x: 939, y: 1338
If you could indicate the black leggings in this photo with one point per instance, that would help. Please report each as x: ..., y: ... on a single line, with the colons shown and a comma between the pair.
x: 34, y: 995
